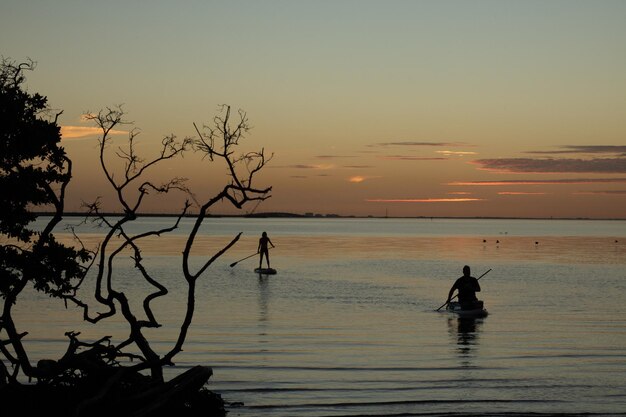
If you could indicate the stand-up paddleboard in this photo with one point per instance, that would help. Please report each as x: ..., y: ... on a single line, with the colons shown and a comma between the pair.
x: 478, y: 312
x: 265, y: 271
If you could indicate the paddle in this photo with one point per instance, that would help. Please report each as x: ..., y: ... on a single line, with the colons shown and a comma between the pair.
x: 444, y: 304
x: 235, y: 263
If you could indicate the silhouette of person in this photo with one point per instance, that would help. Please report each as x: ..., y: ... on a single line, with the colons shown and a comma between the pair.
x: 467, y: 287
x: 264, y: 250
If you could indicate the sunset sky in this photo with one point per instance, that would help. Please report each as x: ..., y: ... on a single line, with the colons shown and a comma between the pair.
x: 399, y: 108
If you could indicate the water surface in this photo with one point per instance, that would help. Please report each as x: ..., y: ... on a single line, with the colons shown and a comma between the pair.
x: 347, y: 327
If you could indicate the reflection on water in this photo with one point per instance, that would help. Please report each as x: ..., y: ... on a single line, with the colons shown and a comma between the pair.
x: 264, y: 298
x: 465, y: 333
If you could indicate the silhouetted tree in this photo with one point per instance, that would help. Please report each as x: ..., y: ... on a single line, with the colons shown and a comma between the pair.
x: 34, y: 173
x: 108, y: 375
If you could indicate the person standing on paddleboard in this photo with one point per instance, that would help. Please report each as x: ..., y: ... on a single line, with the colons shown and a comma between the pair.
x: 264, y: 250
x: 467, y: 286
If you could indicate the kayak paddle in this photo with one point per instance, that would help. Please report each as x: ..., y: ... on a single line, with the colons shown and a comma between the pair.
x: 235, y: 263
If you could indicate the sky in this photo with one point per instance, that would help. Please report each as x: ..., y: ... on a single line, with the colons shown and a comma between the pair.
x: 369, y: 108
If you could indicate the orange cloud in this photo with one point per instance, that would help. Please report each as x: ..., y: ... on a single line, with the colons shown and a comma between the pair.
x: 423, y: 200
x: 588, y: 149
x: 456, y: 153
x: 539, y: 182
x: 79, y: 132
x: 334, y: 156
x: 411, y: 158
x: 519, y: 193
x: 408, y: 143
x: 604, y: 192
x: 552, y: 165
x: 306, y: 166
x: 361, y: 178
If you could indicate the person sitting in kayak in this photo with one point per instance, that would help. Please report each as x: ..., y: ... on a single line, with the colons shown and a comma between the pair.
x: 264, y: 250
x: 467, y: 286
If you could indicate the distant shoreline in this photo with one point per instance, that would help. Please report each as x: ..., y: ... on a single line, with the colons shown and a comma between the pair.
x: 334, y: 216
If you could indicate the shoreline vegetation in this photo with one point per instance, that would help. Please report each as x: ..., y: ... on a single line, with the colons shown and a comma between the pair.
x: 102, y: 378
x: 336, y: 216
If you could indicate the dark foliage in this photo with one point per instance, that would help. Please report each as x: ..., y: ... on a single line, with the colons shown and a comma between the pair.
x: 34, y: 171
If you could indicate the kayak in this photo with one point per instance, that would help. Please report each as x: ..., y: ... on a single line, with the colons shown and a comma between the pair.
x: 265, y: 271
x: 455, y: 307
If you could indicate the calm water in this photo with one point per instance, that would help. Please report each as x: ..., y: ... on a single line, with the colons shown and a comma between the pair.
x: 347, y: 327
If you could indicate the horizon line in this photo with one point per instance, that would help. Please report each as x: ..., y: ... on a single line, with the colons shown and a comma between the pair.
x: 334, y: 216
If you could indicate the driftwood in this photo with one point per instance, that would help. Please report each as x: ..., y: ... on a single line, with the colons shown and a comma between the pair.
x: 163, y: 396
x: 184, y: 395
